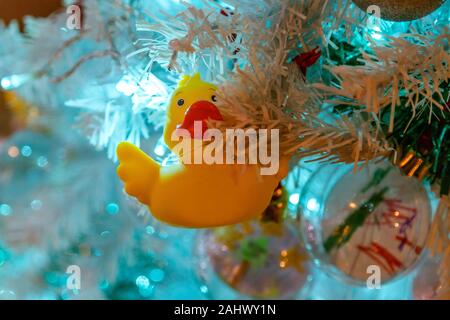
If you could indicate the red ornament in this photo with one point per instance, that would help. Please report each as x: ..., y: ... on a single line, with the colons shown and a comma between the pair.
x: 425, y: 142
x: 225, y: 13
x: 232, y: 37
x: 307, y: 59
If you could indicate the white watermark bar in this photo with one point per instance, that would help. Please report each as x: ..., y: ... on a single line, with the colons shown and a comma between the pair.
x: 241, y: 146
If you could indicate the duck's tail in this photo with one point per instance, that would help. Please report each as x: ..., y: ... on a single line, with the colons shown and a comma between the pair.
x: 137, y: 170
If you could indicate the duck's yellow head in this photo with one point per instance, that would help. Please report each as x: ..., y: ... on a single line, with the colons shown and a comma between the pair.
x: 193, y: 100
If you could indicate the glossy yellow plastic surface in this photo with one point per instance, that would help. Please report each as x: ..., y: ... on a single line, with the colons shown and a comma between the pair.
x: 195, y: 195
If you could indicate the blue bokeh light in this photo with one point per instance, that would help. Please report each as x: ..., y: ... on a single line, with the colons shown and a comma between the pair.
x: 26, y: 151
x: 112, y: 208
x: 142, y: 282
x: 157, y: 275
x: 5, y: 210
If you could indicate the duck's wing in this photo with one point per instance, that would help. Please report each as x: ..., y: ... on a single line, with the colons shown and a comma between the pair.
x: 137, y: 170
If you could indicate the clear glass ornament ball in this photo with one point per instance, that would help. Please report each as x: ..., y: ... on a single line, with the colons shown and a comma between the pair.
x: 252, y: 261
x: 356, y: 224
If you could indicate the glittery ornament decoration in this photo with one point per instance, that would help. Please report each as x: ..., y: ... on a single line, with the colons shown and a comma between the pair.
x: 5, y: 117
x: 260, y: 259
x: 401, y: 10
x: 23, y: 8
x: 15, y: 113
x: 253, y: 261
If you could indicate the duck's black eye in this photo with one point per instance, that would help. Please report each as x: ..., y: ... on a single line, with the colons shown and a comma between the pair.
x: 214, y: 98
x: 180, y: 102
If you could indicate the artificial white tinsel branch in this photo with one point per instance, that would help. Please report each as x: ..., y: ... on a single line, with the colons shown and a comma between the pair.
x: 247, y: 51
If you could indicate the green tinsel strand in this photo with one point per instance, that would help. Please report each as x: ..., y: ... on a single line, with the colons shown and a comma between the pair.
x: 428, y: 138
x: 436, y: 153
x: 445, y: 163
x: 344, y: 53
x: 341, y: 53
x: 355, y: 220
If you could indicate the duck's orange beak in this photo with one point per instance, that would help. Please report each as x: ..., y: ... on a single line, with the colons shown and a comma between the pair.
x: 200, y: 111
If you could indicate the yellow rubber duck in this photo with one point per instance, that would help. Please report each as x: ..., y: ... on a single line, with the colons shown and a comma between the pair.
x: 196, y: 195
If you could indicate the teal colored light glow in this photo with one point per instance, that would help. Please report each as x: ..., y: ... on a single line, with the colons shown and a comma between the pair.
x: 5, y: 83
x: 112, y: 208
x: 126, y: 87
x: 149, y: 230
x: 294, y: 198
x: 313, y: 205
x: 159, y: 150
x: 105, y: 233
x: 96, y: 252
x: 157, y: 275
x: 5, y: 210
x: 26, y: 151
x: 15, y: 81
x: 376, y: 33
x: 146, y: 292
x: 3, y: 257
x: 42, y: 162
x: 142, y: 282
x: 36, y: 204
x: 104, y: 285
x: 54, y: 279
